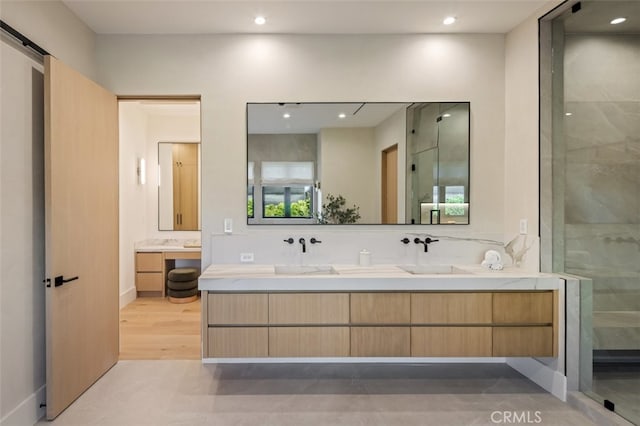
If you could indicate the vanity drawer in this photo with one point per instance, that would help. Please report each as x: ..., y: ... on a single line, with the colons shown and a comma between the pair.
x: 523, y: 308
x: 308, y: 341
x: 309, y: 308
x: 380, y: 341
x: 450, y: 308
x: 523, y: 341
x: 149, y: 281
x: 149, y: 262
x: 380, y: 308
x: 450, y: 341
x: 246, y: 342
x: 228, y: 309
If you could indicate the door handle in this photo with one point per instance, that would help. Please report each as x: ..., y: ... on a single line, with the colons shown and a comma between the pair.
x: 59, y: 280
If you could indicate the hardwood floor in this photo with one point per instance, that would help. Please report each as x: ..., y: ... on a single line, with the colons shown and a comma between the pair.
x: 153, y: 328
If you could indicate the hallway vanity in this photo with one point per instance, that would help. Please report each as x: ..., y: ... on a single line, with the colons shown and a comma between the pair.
x: 392, y: 312
x: 155, y: 258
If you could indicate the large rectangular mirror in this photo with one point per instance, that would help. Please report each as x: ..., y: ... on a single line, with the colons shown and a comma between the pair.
x: 358, y: 163
x: 178, y: 186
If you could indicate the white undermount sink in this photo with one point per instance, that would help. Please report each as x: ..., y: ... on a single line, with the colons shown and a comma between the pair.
x: 304, y: 270
x: 432, y: 269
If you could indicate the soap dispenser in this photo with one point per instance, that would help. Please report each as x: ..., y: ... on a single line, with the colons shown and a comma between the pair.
x: 365, y: 257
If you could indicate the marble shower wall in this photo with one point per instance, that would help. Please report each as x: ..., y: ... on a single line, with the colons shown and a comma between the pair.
x: 602, y: 179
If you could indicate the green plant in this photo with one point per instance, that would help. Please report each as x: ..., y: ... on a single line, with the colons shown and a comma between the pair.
x: 300, y: 208
x: 250, y: 207
x: 335, y: 212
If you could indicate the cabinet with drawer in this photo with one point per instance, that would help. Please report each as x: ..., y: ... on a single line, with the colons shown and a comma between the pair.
x: 382, y: 324
x: 150, y: 272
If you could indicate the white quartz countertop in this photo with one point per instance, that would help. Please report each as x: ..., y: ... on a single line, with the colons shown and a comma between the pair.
x: 253, y: 277
x: 168, y: 245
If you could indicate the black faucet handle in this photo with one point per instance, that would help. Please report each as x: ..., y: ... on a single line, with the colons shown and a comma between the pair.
x: 313, y: 240
x: 288, y: 240
x: 405, y: 240
x: 428, y: 240
x: 418, y: 240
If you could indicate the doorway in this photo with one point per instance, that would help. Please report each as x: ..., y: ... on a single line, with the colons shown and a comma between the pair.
x: 390, y: 185
x: 160, y: 167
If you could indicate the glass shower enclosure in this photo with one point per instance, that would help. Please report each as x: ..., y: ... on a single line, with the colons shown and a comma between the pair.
x: 590, y: 159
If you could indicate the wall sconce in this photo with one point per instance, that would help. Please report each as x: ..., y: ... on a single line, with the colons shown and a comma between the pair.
x: 142, y: 171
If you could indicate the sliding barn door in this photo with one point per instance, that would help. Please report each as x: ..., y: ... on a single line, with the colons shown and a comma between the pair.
x: 81, y: 215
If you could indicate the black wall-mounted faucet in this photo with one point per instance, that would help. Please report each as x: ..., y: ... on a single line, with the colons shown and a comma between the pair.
x: 425, y: 242
x: 304, y: 244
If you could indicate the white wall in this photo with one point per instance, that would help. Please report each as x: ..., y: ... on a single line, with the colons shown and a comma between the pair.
x: 51, y: 25
x: 346, y: 158
x: 133, y: 217
x: 230, y: 70
x: 521, y: 184
x: 22, y: 346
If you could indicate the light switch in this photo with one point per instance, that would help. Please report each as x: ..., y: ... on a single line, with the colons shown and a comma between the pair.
x: 228, y: 226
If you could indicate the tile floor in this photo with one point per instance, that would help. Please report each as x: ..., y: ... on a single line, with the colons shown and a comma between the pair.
x: 192, y: 394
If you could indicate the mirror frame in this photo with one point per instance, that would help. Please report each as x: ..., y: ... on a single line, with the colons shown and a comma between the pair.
x: 306, y: 221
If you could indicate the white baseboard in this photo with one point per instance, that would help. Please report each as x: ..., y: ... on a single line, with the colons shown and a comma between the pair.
x: 127, y: 297
x: 28, y: 412
x: 549, y: 379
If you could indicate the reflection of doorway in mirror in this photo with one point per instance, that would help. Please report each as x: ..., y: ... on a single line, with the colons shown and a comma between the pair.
x: 390, y: 185
x: 185, y: 186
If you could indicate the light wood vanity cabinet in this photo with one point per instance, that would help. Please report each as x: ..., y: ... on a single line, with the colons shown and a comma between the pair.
x: 150, y: 272
x: 380, y: 308
x: 151, y: 269
x: 451, y: 308
x: 308, y: 341
x: 525, y: 324
x: 239, y: 321
x: 309, y: 308
x: 382, y: 324
x: 381, y: 341
x: 451, y: 341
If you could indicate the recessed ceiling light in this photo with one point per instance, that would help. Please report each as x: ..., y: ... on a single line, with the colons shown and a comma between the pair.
x: 568, y: 114
x: 449, y: 20
x: 342, y: 115
x: 446, y: 115
x: 617, y: 21
x: 286, y: 115
x: 260, y: 20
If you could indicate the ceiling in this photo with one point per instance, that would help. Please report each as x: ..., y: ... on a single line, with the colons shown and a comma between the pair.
x: 595, y: 17
x: 311, y: 117
x: 303, y: 16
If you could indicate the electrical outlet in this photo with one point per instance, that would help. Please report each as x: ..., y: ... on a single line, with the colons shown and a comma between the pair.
x: 246, y: 257
x: 523, y: 226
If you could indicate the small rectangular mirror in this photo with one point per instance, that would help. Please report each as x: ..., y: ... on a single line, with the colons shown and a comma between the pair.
x: 358, y: 163
x: 178, y: 186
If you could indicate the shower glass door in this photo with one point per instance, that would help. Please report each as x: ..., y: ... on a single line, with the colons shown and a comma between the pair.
x: 596, y: 188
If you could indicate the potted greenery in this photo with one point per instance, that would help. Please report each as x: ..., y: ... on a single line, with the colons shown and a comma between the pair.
x: 335, y: 212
